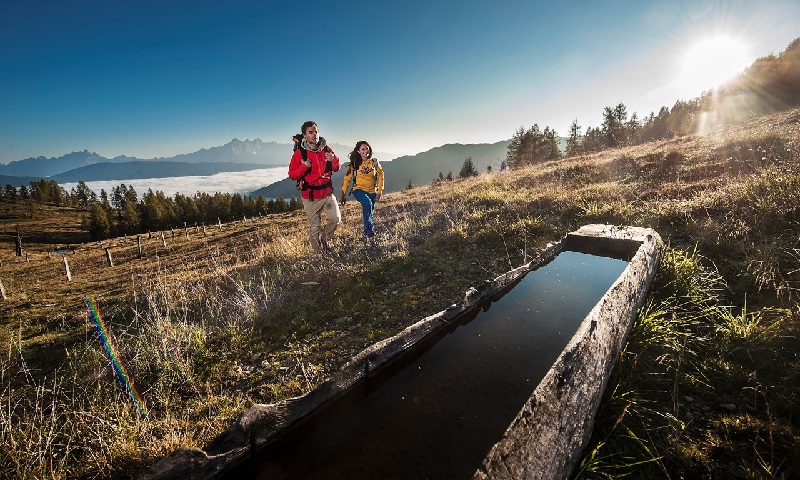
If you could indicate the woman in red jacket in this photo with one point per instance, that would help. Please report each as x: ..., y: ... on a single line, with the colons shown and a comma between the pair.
x: 311, y: 166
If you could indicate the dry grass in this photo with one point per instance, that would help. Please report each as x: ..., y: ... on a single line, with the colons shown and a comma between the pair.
x: 215, y: 322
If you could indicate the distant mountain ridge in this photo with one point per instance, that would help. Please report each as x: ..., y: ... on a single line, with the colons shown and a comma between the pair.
x: 419, y: 169
x: 254, y: 152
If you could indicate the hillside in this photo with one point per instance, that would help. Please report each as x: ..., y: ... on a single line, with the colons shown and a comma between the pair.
x: 419, y: 169
x: 42, y: 224
x: 16, y: 181
x: 209, y: 322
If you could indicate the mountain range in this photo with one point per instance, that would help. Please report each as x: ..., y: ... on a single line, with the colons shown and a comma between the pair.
x: 238, y: 155
x: 252, y: 152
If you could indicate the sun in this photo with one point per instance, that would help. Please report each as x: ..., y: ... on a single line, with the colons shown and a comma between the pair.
x: 713, y: 61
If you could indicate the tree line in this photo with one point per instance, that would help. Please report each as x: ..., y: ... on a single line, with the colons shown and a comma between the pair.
x: 467, y: 170
x: 123, y: 212
x: 770, y: 83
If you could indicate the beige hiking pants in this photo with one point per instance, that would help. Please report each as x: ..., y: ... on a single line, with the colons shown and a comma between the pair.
x: 333, y: 217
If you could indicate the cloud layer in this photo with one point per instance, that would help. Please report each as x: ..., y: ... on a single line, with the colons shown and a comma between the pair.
x: 225, y: 182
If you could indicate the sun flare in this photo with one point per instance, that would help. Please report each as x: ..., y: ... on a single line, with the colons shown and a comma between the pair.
x: 713, y: 61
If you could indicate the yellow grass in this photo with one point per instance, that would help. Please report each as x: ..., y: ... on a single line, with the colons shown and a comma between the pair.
x: 220, y: 319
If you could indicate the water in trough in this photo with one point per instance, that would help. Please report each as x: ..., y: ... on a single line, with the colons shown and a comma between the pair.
x: 437, y: 411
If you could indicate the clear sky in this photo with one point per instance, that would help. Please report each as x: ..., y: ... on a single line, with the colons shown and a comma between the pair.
x: 158, y: 78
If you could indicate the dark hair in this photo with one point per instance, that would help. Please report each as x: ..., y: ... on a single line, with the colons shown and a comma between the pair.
x: 355, y: 156
x: 306, y: 126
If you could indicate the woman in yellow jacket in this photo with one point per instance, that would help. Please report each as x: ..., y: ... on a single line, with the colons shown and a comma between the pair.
x: 368, y: 182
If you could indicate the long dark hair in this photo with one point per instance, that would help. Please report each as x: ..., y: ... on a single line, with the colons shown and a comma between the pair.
x: 355, y: 157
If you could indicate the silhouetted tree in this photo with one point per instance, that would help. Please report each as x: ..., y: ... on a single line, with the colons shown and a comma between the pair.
x: 613, y: 128
x: 593, y: 140
x: 514, y: 149
x: 468, y: 169
x: 548, y: 146
x: 574, y: 140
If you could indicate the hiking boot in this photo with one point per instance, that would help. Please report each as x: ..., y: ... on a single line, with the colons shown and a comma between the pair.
x: 324, y: 245
x: 370, y: 234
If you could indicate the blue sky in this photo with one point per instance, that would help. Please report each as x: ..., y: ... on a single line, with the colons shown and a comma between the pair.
x: 159, y: 78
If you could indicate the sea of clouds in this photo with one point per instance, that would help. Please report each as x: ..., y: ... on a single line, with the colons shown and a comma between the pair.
x: 225, y: 182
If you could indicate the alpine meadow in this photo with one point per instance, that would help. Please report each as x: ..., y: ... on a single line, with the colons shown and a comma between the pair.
x: 132, y: 326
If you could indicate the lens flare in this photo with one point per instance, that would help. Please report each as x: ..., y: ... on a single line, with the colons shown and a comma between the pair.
x: 108, y: 345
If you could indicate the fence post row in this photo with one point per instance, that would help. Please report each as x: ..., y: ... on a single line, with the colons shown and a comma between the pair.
x: 109, y: 259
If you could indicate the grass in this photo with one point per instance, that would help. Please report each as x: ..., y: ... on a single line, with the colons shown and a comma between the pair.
x: 218, y: 320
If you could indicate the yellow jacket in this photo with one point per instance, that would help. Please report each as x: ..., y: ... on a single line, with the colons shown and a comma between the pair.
x: 368, y: 178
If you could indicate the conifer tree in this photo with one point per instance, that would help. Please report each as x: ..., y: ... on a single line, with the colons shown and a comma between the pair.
x: 98, y: 225
x: 574, y: 140
x: 468, y: 169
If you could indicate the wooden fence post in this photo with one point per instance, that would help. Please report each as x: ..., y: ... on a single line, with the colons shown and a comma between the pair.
x: 18, y: 244
x: 139, y: 245
x: 186, y: 230
x: 163, y: 240
x: 2, y: 291
x: 66, y: 267
x: 219, y: 222
x: 108, y: 257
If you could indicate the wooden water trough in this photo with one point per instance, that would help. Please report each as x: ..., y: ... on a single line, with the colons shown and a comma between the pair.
x: 552, y: 428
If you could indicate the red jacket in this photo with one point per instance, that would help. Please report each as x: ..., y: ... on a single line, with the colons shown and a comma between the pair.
x: 317, y: 176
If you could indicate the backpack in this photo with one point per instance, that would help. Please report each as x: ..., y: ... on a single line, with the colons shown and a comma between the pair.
x: 302, y: 185
x: 355, y: 163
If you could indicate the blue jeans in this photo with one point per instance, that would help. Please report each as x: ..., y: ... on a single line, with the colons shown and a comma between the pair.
x: 367, y: 201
